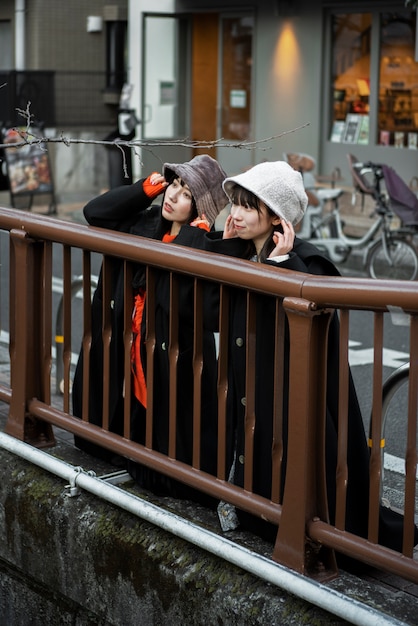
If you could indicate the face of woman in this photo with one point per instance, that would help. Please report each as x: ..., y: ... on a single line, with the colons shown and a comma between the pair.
x: 254, y: 225
x: 177, y: 205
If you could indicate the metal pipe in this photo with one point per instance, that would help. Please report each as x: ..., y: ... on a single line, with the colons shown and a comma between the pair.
x: 309, y: 590
x: 20, y: 35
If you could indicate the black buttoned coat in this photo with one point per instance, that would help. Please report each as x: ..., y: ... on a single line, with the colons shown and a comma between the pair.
x: 307, y: 258
x: 127, y: 209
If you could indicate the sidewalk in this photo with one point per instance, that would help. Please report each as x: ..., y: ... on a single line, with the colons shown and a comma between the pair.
x: 71, y: 208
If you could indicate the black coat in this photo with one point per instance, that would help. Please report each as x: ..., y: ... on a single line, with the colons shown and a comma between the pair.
x: 126, y: 209
x: 307, y: 258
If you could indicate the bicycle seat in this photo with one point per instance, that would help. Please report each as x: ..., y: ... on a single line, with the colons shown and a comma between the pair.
x: 300, y: 161
x: 325, y: 194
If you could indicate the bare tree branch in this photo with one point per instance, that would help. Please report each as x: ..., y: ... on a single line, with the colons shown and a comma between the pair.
x: 28, y: 138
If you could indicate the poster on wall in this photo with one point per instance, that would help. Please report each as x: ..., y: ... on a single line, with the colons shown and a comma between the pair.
x: 28, y: 166
x: 337, y: 131
x: 363, y: 135
x: 352, y: 128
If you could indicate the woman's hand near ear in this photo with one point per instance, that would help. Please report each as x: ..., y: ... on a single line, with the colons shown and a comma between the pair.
x: 283, y: 241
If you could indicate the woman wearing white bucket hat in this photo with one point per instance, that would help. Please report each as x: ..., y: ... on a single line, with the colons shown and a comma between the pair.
x: 266, y: 202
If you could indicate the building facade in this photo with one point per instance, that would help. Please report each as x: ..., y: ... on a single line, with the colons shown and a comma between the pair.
x: 329, y: 78
x: 245, y: 81
x: 64, y: 64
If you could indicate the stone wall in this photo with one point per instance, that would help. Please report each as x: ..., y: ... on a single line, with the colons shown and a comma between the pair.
x: 83, y: 561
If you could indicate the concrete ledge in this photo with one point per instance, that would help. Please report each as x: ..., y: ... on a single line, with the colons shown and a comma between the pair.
x: 82, y: 561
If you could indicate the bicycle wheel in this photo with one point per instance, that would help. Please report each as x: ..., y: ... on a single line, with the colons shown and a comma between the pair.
x: 401, y: 262
x: 394, y: 410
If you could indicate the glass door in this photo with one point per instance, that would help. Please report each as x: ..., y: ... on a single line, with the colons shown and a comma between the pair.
x: 166, y: 106
x: 197, y: 86
x: 235, y: 124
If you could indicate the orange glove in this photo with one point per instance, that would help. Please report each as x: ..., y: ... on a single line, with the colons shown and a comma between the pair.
x: 154, y: 185
x: 201, y: 222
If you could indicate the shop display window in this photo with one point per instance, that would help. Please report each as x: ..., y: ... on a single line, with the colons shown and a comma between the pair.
x: 351, y: 77
x: 397, y: 82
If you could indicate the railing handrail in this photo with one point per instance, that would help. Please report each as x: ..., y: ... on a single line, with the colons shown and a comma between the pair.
x: 324, y: 291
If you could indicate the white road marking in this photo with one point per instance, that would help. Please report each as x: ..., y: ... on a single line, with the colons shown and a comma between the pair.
x: 395, y: 464
x: 391, y: 358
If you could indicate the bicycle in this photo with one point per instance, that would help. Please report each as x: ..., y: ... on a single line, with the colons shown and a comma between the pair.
x: 395, y: 395
x: 389, y: 256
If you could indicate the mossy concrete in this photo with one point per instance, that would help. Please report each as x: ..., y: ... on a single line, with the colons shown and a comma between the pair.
x: 84, y: 562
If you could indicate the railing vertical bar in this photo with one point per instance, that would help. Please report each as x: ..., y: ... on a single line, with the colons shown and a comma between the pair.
x: 250, y: 366
x: 106, y: 335
x: 223, y: 380
x: 87, y: 336
x: 197, y: 372
x: 376, y: 453
x: 21, y: 266
x: 46, y: 321
x: 341, y: 478
x: 150, y: 348
x: 67, y: 323
x: 279, y: 369
x: 173, y: 355
x: 127, y: 342
x: 305, y: 493
x: 411, y: 444
x: 27, y: 300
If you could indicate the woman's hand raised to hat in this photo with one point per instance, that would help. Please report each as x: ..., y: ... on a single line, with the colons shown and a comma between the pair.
x: 283, y: 241
x: 154, y: 185
x: 229, y: 229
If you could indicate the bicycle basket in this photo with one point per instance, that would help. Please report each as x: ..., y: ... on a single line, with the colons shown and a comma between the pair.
x: 402, y: 199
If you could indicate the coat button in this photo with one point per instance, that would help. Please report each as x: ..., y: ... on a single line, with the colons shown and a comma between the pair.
x: 112, y: 304
x: 241, y: 459
x: 239, y: 342
x: 244, y: 401
x: 163, y: 346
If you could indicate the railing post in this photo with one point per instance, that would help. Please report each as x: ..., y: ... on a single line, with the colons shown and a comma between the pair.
x: 26, y: 339
x: 305, y: 495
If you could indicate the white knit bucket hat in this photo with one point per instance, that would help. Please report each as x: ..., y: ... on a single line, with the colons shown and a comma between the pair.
x: 278, y: 185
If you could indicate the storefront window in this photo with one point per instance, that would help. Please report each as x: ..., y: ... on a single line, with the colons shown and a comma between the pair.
x: 351, y: 77
x: 395, y: 122
x: 398, y: 81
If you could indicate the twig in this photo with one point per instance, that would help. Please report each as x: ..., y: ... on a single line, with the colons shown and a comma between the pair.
x: 28, y: 138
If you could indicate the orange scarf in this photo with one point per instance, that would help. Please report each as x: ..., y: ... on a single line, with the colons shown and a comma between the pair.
x: 139, y: 383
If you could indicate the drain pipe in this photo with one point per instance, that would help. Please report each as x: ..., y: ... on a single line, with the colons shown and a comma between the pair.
x: 313, y: 592
x: 20, y: 35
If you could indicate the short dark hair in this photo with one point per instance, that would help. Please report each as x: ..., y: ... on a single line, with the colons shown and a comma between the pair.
x: 243, y: 197
x: 182, y: 182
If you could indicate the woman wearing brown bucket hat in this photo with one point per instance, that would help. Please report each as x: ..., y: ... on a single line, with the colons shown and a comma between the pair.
x: 193, y: 197
x: 267, y: 201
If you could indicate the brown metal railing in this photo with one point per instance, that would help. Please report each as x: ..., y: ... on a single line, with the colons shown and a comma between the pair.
x: 308, y: 302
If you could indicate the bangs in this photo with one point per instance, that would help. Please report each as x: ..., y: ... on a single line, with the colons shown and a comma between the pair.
x: 173, y: 176
x: 242, y: 197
